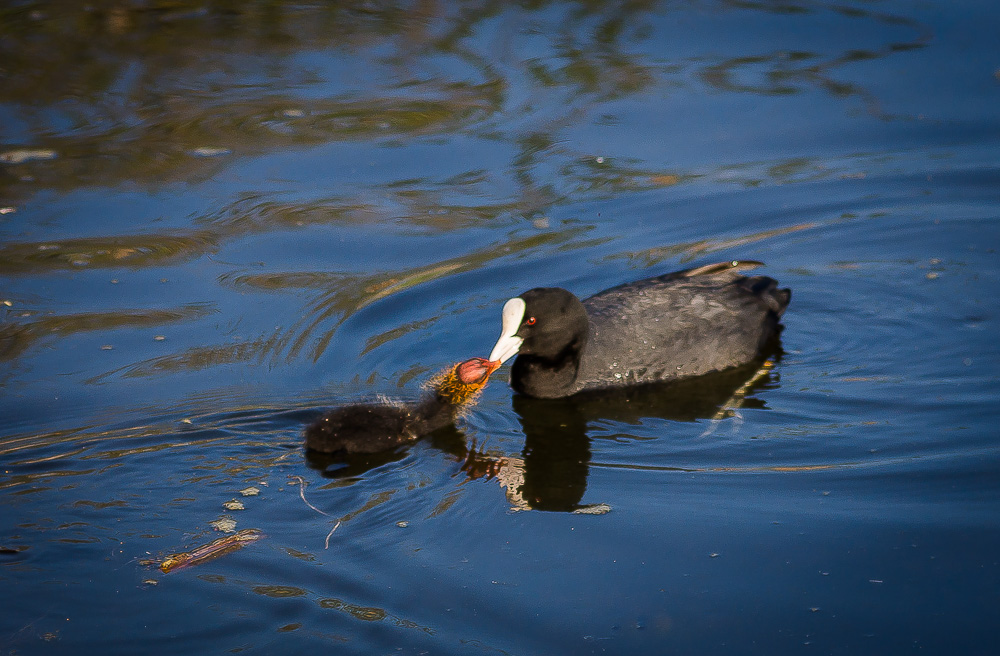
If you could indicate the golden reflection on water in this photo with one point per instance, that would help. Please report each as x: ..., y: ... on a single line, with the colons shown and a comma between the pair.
x: 370, y: 614
x: 340, y: 297
x: 17, y: 338
x: 28, y: 325
x: 117, y: 445
x: 173, y: 110
x: 117, y: 251
x: 689, y: 251
x: 158, y: 97
x: 175, y: 119
x: 179, y: 122
x: 279, y: 591
x: 191, y: 359
x: 334, y: 306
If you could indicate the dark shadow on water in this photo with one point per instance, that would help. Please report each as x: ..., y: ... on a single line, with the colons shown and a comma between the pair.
x: 557, y: 445
x: 556, y: 456
x: 449, y: 440
x: 555, y: 460
x: 347, y: 466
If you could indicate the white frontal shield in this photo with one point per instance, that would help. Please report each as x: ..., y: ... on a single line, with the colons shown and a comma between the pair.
x: 507, y: 346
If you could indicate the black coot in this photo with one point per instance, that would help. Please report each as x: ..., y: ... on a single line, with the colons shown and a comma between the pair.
x: 673, y: 326
x: 373, y: 427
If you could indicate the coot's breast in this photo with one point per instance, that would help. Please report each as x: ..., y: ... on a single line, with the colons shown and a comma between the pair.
x: 674, y: 327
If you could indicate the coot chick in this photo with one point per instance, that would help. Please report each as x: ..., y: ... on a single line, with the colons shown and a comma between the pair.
x: 673, y: 326
x: 373, y: 427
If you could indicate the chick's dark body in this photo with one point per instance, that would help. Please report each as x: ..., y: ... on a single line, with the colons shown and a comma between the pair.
x: 375, y: 427
x: 372, y: 427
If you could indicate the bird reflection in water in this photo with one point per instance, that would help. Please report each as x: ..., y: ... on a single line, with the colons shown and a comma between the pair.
x: 552, y: 472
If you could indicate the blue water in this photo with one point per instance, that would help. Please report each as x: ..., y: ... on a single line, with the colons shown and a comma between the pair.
x: 217, y: 222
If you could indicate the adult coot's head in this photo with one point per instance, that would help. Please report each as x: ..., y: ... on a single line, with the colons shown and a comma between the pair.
x: 547, y: 322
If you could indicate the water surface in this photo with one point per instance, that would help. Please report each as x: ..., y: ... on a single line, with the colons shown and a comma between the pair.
x: 218, y: 220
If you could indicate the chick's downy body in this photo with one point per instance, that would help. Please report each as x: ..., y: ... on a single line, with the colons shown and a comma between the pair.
x: 374, y: 427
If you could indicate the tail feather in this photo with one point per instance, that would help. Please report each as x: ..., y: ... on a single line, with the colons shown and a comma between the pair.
x: 766, y: 289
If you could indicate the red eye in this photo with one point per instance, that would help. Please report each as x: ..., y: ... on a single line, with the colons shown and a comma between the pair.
x: 530, y: 321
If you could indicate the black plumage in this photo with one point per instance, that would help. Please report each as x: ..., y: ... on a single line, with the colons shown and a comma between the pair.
x: 677, y: 325
x: 374, y: 427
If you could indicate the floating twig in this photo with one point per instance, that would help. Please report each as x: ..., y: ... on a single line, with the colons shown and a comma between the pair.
x: 302, y: 493
x: 214, y: 549
x: 326, y: 545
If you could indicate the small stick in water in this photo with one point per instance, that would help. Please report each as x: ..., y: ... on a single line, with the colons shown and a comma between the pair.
x: 214, y: 549
x: 302, y: 493
x: 326, y: 545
